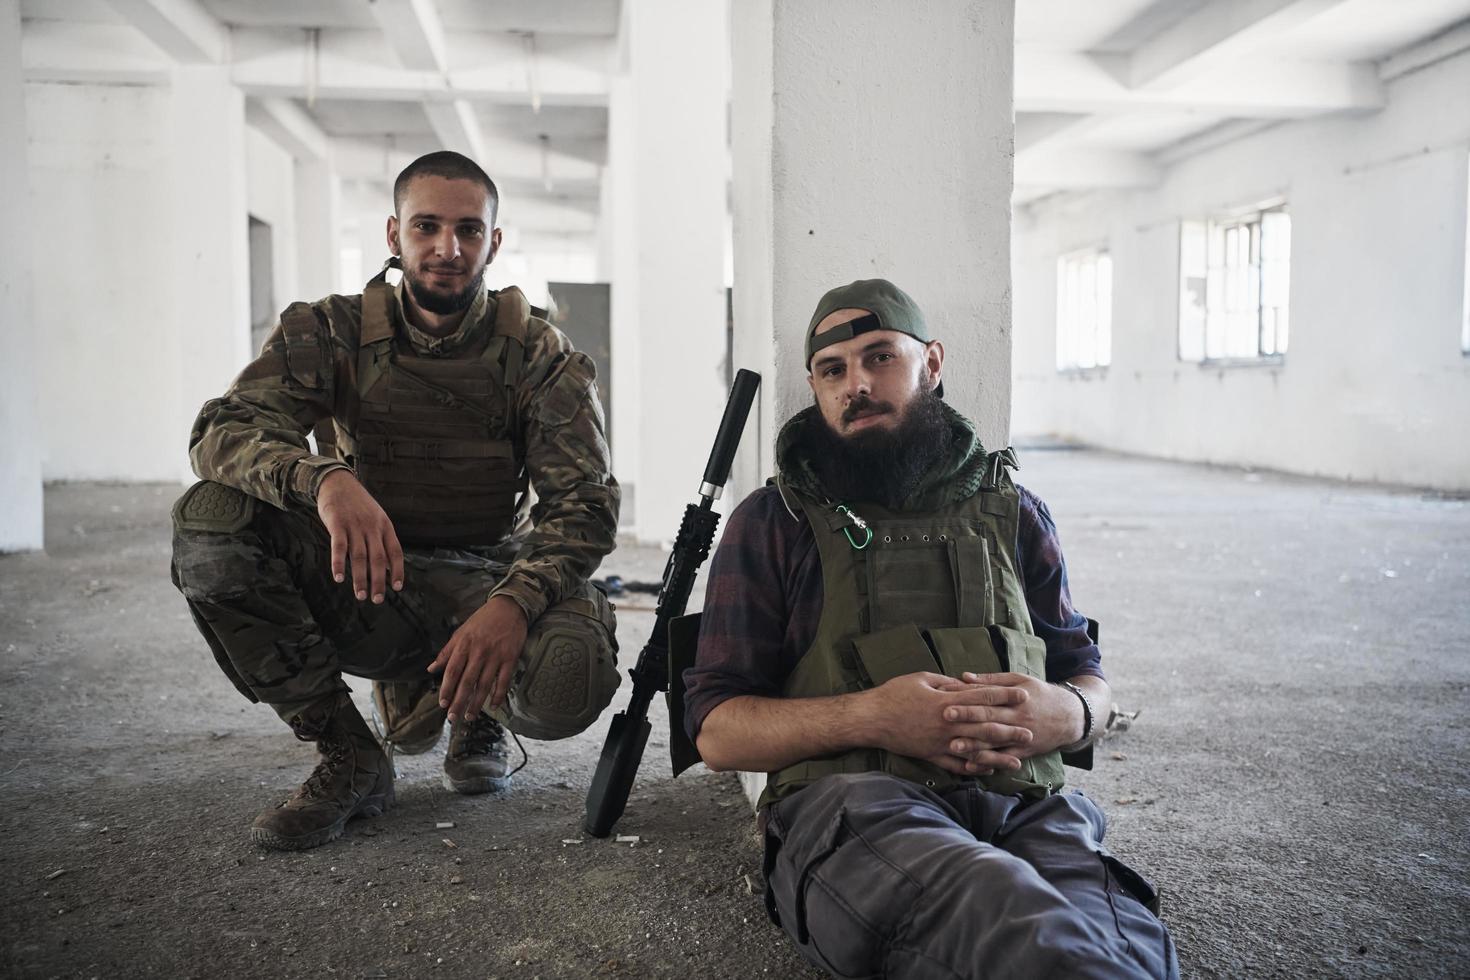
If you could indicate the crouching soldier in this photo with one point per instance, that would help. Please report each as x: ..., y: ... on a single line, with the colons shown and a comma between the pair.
x: 413, y: 556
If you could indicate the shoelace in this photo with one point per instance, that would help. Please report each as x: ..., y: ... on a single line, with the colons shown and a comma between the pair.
x: 485, y: 732
x: 334, y: 753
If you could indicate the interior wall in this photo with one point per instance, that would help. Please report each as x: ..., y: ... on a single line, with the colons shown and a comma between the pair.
x: 270, y: 188
x: 21, y: 516
x: 103, y: 228
x: 1374, y: 385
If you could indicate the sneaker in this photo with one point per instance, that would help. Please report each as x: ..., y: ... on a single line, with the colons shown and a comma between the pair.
x: 407, y: 716
x: 353, y: 779
x: 478, y: 760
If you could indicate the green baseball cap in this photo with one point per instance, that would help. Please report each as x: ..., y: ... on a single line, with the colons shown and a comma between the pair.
x: 889, y: 308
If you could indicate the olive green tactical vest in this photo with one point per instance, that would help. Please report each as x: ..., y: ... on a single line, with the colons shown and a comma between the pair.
x: 436, y: 440
x: 936, y: 591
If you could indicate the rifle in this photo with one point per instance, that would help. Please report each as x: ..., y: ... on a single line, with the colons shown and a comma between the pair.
x: 628, y: 734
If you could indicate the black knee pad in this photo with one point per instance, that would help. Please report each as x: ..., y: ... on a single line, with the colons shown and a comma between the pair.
x: 209, y: 561
x: 568, y: 672
x: 210, y: 506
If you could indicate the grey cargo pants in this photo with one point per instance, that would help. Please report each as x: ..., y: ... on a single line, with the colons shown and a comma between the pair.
x: 258, y: 583
x: 874, y: 876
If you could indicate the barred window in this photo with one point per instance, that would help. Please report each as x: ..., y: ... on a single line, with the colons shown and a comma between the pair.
x: 1234, y: 280
x: 1084, y: 310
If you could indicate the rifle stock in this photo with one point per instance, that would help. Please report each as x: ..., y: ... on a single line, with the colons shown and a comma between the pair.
x: 627, y: 735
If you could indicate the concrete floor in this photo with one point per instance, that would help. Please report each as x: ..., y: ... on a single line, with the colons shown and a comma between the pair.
x: 1295, y: 781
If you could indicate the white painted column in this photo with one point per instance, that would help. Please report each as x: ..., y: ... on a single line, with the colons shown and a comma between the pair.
x: 618, y: 264
x: 21, y: 521
x: 873, y: 141
x: 318, y: 251
x: 210, y: 267
x: 675, y: 114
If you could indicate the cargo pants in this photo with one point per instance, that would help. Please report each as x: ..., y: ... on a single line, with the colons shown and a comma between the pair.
x: 871, y: 875
x: 259, y: 586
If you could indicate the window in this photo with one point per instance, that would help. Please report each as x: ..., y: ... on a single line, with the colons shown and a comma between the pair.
x: 1084, y: 310
x: 1234, y: 278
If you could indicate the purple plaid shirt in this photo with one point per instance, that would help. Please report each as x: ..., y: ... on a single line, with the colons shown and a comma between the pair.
x: 764, y: 600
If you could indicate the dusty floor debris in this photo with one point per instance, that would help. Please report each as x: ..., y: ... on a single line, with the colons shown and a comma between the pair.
x: 1295, y: 784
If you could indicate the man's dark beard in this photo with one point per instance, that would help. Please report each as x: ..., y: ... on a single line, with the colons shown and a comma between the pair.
x: 444, y: 304
x: 881, y: 465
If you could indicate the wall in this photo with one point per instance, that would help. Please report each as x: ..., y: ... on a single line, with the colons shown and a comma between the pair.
x: 1374, y: 385
x: 270, y: 188
x: 103, y: 233
x: 21, y: 517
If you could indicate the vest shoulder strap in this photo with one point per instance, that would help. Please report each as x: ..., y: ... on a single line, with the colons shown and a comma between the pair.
x: 306, y: 351
x: 377, y: 312
x: 512, y: 321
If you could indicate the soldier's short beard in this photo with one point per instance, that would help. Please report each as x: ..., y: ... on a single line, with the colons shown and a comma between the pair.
x: 444, y: 304
x: 880, y: 465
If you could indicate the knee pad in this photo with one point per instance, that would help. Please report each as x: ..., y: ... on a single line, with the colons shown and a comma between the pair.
x: 209, y: 560
x: 568, y: 672
x: 210, y: 506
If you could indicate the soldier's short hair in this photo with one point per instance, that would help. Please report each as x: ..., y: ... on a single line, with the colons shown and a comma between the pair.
x: 451, y: 166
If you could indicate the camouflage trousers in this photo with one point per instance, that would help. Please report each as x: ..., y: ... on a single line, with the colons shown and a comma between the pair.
x: 259, y: 585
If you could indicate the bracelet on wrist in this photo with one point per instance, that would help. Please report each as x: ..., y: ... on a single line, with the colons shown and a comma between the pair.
x: 1090, y: 728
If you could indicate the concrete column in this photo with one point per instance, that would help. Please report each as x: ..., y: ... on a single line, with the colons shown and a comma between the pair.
x: 618, y: 264
x: 20, y: 431
x: 673, y: 110
x: 210, y: 268
x: 871, y: 141
x: 318, y: 205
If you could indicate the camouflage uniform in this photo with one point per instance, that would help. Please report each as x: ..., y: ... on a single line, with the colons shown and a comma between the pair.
x: 253, y: 560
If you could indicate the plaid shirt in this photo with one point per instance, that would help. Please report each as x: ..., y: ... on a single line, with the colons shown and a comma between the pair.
x: 764, y: 600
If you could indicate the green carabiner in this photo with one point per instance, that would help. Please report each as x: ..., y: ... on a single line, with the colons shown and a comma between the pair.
x: 862, y: 525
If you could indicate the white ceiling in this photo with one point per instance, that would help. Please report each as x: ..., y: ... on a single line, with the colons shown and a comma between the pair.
x: 1106, y: 90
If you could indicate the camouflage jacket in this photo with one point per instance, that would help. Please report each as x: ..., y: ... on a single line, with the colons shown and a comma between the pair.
x: 255, y: 438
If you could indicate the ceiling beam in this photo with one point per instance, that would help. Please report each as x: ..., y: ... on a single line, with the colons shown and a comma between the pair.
x: 1444, y: 45
x: 182, y: 28
x: 1226, y: 132
x: 90, y: 54
x: 352, y: 64
x: 288, y: 125
x: 1034, y: 129
x: 1078, y: 168
x: 456, y: 126
x: 414, y: 29
x: 1049, y: 80
x: 1212, y: 34
x: 505, y: 159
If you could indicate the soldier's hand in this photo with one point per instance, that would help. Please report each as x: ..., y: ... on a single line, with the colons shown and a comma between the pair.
x: 911, y: 717
x: 480, y: 657
x: 1050, y: 715
x: 361, y: 534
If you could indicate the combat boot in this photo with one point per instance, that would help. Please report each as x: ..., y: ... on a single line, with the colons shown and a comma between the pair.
x: 478, y: 760
x: 353, y: 779
x: 407, y: 716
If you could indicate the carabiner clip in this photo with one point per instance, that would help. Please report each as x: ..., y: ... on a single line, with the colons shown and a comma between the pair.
x: 862, y: 526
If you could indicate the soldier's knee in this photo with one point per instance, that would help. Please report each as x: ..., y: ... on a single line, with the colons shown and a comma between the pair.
x: 210, y: 560
x: 568, y: 673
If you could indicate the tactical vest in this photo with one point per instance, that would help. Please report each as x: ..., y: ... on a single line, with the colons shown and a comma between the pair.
x: 436, y: 440
x: 906, y: 592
